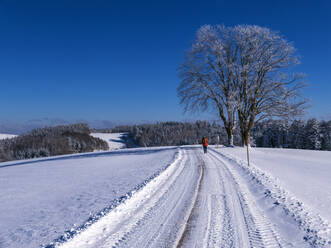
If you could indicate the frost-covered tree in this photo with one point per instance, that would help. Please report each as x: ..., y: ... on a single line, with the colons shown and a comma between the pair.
x: 243, y: 71
x: 296, y: 134
x: 325, y: 130
x: 266, y: 87
x: 275, y: 134
x: 208, y: 75
x: 312, y: 135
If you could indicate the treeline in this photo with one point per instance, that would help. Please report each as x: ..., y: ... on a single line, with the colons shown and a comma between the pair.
x: 311, y: 134
x: 173, y: 133
x: 51, y: 141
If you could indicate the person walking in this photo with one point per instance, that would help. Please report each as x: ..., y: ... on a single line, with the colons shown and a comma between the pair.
x: 204, y: 144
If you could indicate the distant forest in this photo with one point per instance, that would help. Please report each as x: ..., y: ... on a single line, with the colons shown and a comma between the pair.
x: 311, y: 134
x: 51, y: 141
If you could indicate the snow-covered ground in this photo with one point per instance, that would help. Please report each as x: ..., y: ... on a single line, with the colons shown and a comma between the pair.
x: 42, y: 199
x: 167, y: 197
x: 115, y: 140
x: 6, y: 136
x: 304, y: 173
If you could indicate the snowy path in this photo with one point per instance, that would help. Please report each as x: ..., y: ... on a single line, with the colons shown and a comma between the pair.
x: 232, y: 219
x: 153, y: 217
x: 198, y: 201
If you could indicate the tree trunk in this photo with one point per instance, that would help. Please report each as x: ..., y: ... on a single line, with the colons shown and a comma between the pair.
x: 247, y: 135
x: 229, y: 132
x: 242, y: 137
x: 242, y: 128
x: 247, y: 149
x: 230, y: 140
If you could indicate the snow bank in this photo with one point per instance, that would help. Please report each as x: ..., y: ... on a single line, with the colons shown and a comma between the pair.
x: 286, y: 175
x: 304, y: 173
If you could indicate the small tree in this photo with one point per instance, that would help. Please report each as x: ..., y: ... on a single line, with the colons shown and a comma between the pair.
x: 325, y: 128
x: 312, y: 135
x: 296, y: 134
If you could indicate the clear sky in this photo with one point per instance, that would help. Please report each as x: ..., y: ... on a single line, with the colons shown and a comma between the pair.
x: 117, y: 60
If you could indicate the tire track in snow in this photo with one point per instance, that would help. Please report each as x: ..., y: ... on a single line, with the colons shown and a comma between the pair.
x: 225, y: 215
x: 159, y: 202
x: 315, y: 230
x: 204, y: 226
x: 259, y: 229
x: 230, y: 232
x: 185, y: 230
x: 198, y: 201
x: 167, y: 217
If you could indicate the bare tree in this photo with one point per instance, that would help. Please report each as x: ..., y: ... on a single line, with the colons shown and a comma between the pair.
x: 243, y: 71
x: 208, y: 76
x: 266, y: 86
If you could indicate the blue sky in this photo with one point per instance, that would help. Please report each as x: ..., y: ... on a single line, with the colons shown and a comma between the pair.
x: 117, y: 60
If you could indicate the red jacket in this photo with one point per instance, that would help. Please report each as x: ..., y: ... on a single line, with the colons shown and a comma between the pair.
x: 205, y: 141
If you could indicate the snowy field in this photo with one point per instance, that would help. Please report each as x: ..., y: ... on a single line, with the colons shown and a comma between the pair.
x: 304, y: 173
x: 6, y: 136
x: 114, y: 140
x: 168, y: 197
x: 42, y: 199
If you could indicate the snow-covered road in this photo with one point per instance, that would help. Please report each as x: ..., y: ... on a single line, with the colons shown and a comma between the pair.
x: 226, y: 214
x: 164, y: 197
x: 152, y: 217
x: 202, y: 200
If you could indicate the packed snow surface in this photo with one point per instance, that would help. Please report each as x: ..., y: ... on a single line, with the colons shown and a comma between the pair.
x: 6, y: 136
x: 165, y: 197
x: 114, y: 140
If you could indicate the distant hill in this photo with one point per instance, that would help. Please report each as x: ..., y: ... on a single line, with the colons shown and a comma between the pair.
x: 51, y: 141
